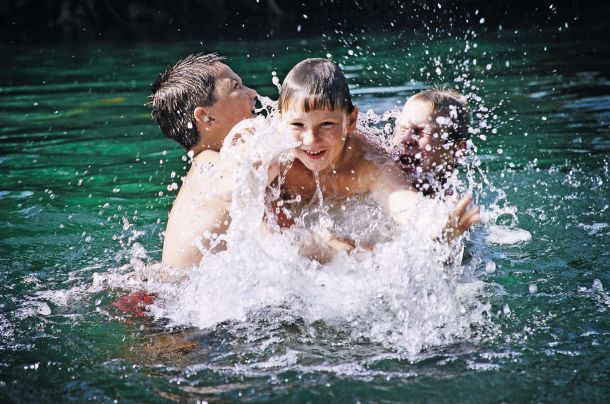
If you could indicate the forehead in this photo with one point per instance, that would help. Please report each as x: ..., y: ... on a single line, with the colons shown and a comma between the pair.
x: 417, y: 112
x: 296, y: 111
x: 225, y: 76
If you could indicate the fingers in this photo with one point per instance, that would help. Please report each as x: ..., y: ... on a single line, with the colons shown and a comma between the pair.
x: 341, y: 243
x: 461, y: 206
x: 471, y: 217
x: 462, y: 218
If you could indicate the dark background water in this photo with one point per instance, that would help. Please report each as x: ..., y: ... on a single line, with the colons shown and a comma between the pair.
x: 85, y: 171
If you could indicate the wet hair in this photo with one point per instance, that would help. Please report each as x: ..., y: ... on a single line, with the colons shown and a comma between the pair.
x: 448, y: 103
x: 315, y: 84
x: 179, y: 90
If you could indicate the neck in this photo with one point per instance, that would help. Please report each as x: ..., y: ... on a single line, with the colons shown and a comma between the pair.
x: 338, y: 163
x: 204, y: 145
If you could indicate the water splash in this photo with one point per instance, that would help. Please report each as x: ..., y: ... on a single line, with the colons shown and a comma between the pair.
x: 404, y: 293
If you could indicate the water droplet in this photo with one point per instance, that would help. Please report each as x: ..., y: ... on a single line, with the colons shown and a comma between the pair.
x: 506, y: 310
x: 532, y: 288
x: 490, y: 267
x: 43, y: 309
x: 597, y: 286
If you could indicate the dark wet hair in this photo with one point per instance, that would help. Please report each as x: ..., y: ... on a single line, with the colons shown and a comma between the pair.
x: 179, y: 90
x: 315, y: 84
x: 449, y: 103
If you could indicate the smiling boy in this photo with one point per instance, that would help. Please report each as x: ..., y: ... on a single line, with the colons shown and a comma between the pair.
x: 316, y: 107
x: 196, y: 103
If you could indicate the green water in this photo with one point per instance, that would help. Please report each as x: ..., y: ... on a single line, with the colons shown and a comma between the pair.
x: 85, y: 171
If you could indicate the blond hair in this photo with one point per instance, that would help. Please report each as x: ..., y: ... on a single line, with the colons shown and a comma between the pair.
x: 449, y: 103
x: 315, y: 84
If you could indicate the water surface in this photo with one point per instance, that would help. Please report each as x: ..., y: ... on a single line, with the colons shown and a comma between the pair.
x: 85, y: 195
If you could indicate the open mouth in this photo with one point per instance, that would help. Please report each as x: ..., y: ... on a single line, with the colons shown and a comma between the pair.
x: 255, y: 110
x: 314, y: 155
x: 409, y: 161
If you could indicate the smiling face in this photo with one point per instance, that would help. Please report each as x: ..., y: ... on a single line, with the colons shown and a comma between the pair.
x: 423, y: 142
x: 322, y: 134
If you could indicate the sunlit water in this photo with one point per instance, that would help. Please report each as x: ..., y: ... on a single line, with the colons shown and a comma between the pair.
x: 88, y: 184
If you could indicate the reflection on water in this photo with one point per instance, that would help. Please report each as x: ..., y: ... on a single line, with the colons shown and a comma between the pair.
x: 85, y: 200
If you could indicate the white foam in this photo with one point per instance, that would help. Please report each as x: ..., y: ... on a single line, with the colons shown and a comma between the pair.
x: 401, y: 293
x: 505, y: 235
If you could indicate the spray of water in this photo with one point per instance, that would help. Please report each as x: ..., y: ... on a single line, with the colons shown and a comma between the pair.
x: 405, y: 292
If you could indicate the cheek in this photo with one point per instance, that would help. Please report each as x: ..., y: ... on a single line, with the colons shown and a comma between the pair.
x: 334, y: 138
x: 335, y: 134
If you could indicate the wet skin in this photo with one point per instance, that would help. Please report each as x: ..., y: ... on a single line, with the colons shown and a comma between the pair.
x: 423, y: 145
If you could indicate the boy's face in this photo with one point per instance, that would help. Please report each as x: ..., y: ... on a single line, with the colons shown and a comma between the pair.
x: 321, y: 133
x: 234, y: 101
x: 422, y: 141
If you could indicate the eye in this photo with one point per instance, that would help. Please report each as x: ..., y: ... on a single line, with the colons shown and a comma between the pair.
x: 296, y: 125
x: 327, y: 124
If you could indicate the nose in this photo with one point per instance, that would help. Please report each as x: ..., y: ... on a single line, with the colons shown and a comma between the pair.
x: 308, y: 137
x: 251, y: 92
x: 409, y: 139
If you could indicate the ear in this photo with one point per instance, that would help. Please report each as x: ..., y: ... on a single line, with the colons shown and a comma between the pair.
x: 352, y: 120
x: 202, y: 117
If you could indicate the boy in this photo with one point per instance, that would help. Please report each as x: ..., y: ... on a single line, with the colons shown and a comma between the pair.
x: 430, y: 138
x: 315, y: 105
x: 196, y: 103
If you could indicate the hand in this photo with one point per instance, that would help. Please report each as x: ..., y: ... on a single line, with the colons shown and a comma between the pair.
x: 461, y: 218
x: 341, y: 243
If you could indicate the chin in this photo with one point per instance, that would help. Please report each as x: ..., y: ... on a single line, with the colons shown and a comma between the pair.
x: 316, y: 168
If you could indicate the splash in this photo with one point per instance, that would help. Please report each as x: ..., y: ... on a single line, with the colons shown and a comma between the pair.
x: 405, y: 292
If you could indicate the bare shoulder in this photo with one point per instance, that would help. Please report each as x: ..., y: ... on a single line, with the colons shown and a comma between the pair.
x: 377, y: 170
x: 204, y: 161
x: 369, y: 162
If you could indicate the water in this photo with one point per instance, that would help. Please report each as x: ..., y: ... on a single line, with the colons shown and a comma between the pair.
x: 86, y: 197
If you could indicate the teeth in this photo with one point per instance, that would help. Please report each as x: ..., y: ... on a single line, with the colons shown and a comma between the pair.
x: 313, y: 153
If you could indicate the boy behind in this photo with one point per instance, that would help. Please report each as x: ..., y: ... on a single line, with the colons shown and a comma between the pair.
x: 196, y: 103
x: 430, y: 139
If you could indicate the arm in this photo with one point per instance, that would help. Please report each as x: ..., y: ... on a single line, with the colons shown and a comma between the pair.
x: 393, y: 192
x: 192, y: 229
